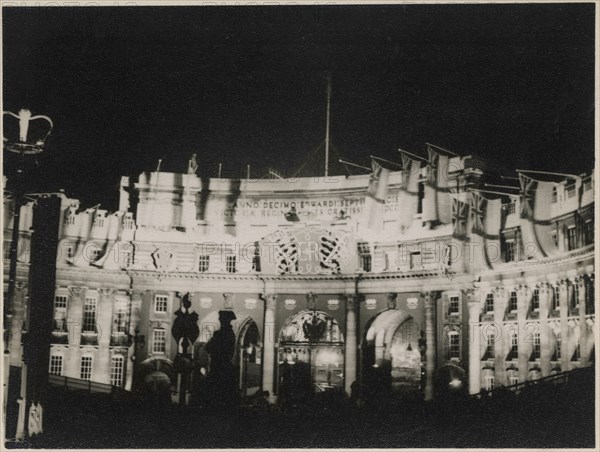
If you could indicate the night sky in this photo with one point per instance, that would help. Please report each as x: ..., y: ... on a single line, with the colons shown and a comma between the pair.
x: 127, y: 86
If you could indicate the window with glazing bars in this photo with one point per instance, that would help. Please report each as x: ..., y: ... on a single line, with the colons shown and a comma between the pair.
x: 512, y: 302
x: 89, y: 315
x: 56, y: 365
x: 159, y: 338
x: 116, y: 371
x: 86, y: 368
x: 203, y: 263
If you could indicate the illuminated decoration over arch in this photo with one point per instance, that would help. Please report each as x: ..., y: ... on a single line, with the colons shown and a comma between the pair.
x: 296, y: 329
x: 308, y: 250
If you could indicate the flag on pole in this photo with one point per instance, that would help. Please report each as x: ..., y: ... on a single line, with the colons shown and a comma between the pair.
x: 437, y: 206
x: 460, y: 212
x: 409, y: 196
x: 376, y: 194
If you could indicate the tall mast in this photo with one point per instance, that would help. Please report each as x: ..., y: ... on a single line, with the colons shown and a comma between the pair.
x: 327, y: 125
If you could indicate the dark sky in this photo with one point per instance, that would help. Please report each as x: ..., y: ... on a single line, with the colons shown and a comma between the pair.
x: 127, y: 86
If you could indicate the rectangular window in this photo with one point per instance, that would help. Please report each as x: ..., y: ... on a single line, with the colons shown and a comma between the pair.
x: 415, y: 260
x: 203, y: 263
x: 454, y: 344
x: 537, y: 349
x: 587, y: 184
x: 159, y: 341
x: 558, y: 337
x: 89, y: 315
x: 491, y: 344
x: 230, y: 263
x: 554, y: 238
x: 510, y: 208
x: 554, y: 195
x: 86, y: 368
x: 488, y: 382
x: 588, y: 232
x: 489, y: 303
x: 575, y: 295
x: 121, y: 316
x: 535, y: 300
x: 116, y: 371
x: 160, y: 304
x: 454, y: 306
x: 256, y: 263
x: 513, y: 380
x: 556, y: 300
x: 571, y: 238
x: 512, y: 302
x: 510, y: 251
x: 56, y: 365
x: 570, y: 191
x: 60, y: 313
x: 366, y: 262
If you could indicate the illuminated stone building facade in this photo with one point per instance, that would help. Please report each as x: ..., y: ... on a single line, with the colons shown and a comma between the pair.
x: 402, y: 272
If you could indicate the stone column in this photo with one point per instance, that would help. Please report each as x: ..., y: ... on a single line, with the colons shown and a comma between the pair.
x: 474, y: 342
x: 134, y: 322
x: 17, y: 323
x: 269, y: 338
x: 583, y: 326
x: 500, y: 300
x: 75, y: 314
x: 545, y: 331
x: 563, y: 292
x: 104, y: 322
x: 431, y: 345
x: 523, y: 294
x: 351, y: 342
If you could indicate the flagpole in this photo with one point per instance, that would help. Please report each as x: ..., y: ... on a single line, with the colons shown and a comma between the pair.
x: 384, y: 160
x: 327, y: 125
x: 548, y: 173
x: 442, y: 149
x: 354, y: 164
x: 502, y: 186
x: 492, y: 192
x: 423, y: 159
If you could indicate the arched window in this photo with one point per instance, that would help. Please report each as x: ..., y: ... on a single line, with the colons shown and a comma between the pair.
x: 554, y: 195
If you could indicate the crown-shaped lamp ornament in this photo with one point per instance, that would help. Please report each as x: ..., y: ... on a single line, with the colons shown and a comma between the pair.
x: 26, y: 142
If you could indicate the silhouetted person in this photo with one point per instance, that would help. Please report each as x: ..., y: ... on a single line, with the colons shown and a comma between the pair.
x: 222, y: 376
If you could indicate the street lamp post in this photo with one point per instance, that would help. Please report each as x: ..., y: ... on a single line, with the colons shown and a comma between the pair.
x: 23, y: 146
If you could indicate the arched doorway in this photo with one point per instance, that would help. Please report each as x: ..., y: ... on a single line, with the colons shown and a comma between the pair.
x: 393, y: 353
x: 311, y: 355
x: 248, y: 357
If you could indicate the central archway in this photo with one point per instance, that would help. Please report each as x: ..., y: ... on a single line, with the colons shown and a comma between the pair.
x: 392, y: 353
x: 311, y: 355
